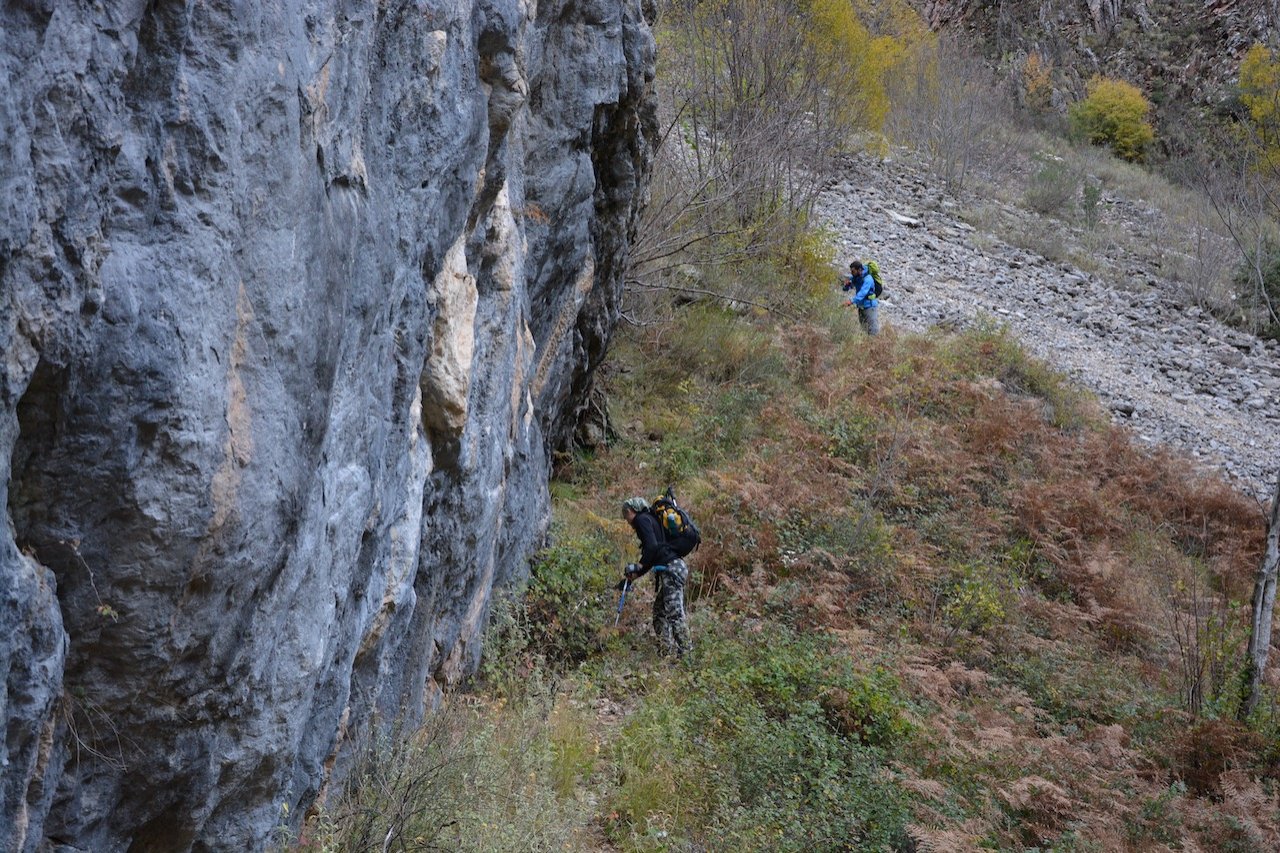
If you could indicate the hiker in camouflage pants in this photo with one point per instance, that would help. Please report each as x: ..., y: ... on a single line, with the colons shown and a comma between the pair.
x: 669, y: 572
x: 668, y: 608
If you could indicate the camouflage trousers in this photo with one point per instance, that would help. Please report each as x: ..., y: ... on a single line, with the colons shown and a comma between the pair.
x: 668, y: 608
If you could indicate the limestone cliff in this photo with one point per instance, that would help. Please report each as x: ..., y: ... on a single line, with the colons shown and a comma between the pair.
x: 295, y: 300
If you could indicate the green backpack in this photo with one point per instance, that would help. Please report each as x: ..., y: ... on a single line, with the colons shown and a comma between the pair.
x: 874, y: 269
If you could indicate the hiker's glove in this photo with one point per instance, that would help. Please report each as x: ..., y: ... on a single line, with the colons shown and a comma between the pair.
x: 632, y: 571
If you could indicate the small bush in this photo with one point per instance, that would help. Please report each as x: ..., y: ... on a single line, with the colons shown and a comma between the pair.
x: 719, y: 346
x: 731, y: 419
x: 569, y: 592
x: 1246, y: 281
x: 808, y: 259
x: 1090, y: 195
x: 976, y: 599
x: 1053, y: 186
x: 1076, y: 684
x: 1115, y: 114
x: 1037, y: 83
x: 1157, y: 819
x: 990, y: 350
x: 557, y: 621
x: 853, y: 438
x: 772, y: 743
x: 1210, y: 748
x: 680, y: 456
x: 467, y: 781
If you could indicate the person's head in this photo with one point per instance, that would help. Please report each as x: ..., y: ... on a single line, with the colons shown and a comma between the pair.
x: 855, y: 267
x: 632, y: 507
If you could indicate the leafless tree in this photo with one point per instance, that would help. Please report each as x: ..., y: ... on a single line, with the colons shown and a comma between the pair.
x: 951, y: 108
x: 1243, y: 188
x: 1264, y: 600
x: 751, y: 119
x: 1199, y: 621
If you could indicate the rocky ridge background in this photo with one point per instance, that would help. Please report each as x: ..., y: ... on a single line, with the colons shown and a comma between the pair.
x: 295, y: 301
x: 1171, y: 372
x: 1182, y: 53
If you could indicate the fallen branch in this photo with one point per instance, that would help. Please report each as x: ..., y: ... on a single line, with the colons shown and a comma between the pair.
x: 697, y: 291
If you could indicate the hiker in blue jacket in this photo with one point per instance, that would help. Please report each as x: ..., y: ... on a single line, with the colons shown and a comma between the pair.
x: 863, y: 289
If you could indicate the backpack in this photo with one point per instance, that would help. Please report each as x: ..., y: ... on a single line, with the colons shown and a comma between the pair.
x: 874, y: 269
x: 678, y: 529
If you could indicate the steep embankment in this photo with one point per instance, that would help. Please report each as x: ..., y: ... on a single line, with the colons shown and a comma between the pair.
x: 1173, y: 373
x: 294, y: 300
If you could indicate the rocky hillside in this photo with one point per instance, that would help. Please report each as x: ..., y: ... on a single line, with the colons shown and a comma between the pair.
x: 1172, y: 372
x: 1183, y: 53
x: 295, y: 298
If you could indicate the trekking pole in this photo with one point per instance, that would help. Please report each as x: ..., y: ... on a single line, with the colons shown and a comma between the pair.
x: 622, y: 599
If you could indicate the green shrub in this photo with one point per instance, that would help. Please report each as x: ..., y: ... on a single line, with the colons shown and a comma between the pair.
x: 1090, y: 195
x: 1078, y: 685
x: 852, y: 437
x: 975, y: 600
x: 1114, y: 113
x: 731, y: 419
x: 989, y: 349
x: 719, y: 346
x: 488, y: 782
x: 681, y: 456
x: 808, y: 260
x: 1157, y: 819
x: 556, y: 619
x: 1053, y: 186
x: 773, y: 742
x: 568, y: 598
x: 855, y: 540
x: 794, y: 785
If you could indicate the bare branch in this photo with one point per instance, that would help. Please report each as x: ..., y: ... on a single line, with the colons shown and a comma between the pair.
x: 697, y: 291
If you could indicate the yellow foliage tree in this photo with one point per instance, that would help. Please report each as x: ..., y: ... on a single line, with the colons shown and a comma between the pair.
x: 1260, y: 93
x: 861, y: 59
x: 1114, y: 113
x: 1037, y: 82
x: 1260, y: 85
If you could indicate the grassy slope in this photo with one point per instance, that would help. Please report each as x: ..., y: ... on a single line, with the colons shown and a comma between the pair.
x: 958, y: 515
x: 940, y: 603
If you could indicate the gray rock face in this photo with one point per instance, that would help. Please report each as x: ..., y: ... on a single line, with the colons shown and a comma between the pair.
x: 294, y: 300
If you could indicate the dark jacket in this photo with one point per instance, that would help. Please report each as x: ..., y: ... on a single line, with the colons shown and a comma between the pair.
x: 654, y: 550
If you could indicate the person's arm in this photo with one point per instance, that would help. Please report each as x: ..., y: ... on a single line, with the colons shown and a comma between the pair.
x: 650, y: 543
x: 865, y: 291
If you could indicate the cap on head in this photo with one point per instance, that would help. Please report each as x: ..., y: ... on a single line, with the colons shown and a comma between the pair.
x: 635, y: 504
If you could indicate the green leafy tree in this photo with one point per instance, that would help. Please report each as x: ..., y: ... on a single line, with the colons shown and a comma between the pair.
x: 1116, y: 114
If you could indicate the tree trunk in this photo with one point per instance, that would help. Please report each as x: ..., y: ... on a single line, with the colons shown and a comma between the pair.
x: 1264, y: 599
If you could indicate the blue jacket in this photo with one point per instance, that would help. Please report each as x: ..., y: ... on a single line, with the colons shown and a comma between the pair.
x: 865, y: 297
